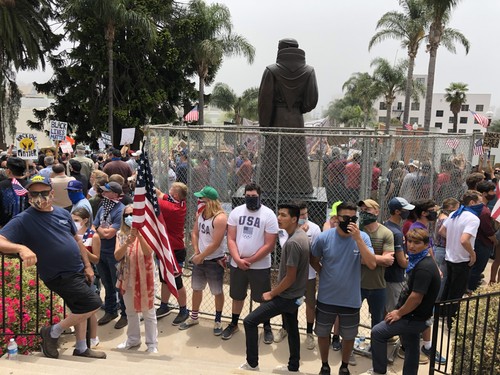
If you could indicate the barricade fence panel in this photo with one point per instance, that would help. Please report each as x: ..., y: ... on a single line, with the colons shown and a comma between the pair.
x: 317, y: 165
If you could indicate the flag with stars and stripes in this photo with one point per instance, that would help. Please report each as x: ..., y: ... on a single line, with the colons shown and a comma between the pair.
x: 18, y: 188
x: 478, y: 148
x: 480, y: 119
x: 148, y: 219
x: 192, y: 115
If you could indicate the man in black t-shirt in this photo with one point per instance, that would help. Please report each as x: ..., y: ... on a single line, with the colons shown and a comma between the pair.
x: 413, y: 309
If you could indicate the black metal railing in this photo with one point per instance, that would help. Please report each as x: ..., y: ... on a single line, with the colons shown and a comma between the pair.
x: 465, y: 332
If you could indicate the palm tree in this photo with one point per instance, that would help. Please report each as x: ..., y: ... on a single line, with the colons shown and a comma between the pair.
x: 391, y: 81
x: 225, y: 98
x: 113, y: 14
x: 213, y: 41
x: 438, y: 34
x: 410, y: 27
x: 455, y: 95
x: 363, y: 89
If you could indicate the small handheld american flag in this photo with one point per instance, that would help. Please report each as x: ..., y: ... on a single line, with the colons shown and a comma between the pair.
x: 19, y: 189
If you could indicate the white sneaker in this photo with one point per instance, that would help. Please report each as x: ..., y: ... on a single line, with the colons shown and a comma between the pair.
x: 352, y: 360
x: 188, y: 323
x: 310, y: 342
x: 152, y: 349
x: 371, y: 372
x: 281, y: 335
x: 126, y: 345
x: 283, y: 369
x: 246, y: 366
x: 94, y: 342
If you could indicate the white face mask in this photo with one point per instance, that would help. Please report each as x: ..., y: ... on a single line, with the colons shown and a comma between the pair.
x: 78, y: 225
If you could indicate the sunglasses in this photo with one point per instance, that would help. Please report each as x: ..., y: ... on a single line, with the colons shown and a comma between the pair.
x: 346, y: 218
x: 127, y: 215
x: 44, y: 193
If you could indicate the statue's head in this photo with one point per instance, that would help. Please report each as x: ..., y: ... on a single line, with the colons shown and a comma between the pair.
x: 287, y: 43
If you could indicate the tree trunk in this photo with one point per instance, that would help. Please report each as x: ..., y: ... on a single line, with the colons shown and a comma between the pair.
x: 388, y: 116
x: 408, y: 91
x: 201, y: 100
x: 431, y: 71
x: 109, y: 46
x: 455, y: 122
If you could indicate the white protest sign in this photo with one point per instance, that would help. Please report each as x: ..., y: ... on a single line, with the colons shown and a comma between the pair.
x: 106, y: 138
x: 66, y: 147
x: 101, y: 144
x: 128, y: 135
x: 27, y: 146
x: 58, y: 130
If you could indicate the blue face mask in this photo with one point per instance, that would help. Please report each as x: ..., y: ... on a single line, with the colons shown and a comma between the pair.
x: 302, y: 221
x: 75, y: 196
x: 128, y: 221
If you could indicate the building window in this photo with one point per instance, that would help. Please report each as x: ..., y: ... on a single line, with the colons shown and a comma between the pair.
x: 415, y: 106
x: 382, y: 106
x: 479, y: 108
x: 413, y: 120
x: 439, y: 113
x: 476, y: 131
x: 465, y: 107
x: 421, y: 80
x: 450, y: 120
x: 400, y: 106
x: 382, y: 119
x: 438, y: 125
x: 461, y: 131
x: 450, y: 130
x: 463, y: 120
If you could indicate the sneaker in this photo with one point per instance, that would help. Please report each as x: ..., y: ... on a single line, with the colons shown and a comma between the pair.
x: 49, y: 344
x: 246, y: 366
x: 281, y: 335
x: 422, y: 360
x: 107, y: 318
x: 438, y: 358
x: 344, y: 371
x: 352, y: 360
x: 283, y: 369
x: 152, y: 349
x: 268, y: 336
x: 180, y: 318
x: 310, y: 342
x: 336, y: 343
x: 163, y: 311
x: 229, y: 331
x: 188, y: 323
x: 126, y: 345
x: 94, y: 342
x: 122, y: 322
x: 372, y: 372
x: 325, y: 370
x: 217, y: 328
x: 89, y: 353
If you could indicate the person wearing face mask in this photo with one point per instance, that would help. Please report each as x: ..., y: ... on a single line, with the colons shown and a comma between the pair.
x: 372, y: 281
x: 107, y: 223
x: 92, y: 243
x: 460, y: 230
x: 485, y: 240
x: 136, y: 283
x: 13, y: 194
x: 46, y: 236
x: 336, y: 256
x: 399, y: 209
x: 77, y: 197
x: 252, y: 230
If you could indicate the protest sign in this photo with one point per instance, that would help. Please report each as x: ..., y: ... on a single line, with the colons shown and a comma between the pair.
x: 27, y: 146
x: 58, y: 130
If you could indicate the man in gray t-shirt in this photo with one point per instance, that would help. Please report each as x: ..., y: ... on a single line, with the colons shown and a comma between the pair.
x: 286, y: 297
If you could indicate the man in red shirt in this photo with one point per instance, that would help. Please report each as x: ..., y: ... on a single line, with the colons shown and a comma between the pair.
x: 173, y: 208
x: 353, y: 178
x: 245, y: 171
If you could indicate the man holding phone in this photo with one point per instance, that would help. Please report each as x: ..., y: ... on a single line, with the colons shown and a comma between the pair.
x: 337, y: 255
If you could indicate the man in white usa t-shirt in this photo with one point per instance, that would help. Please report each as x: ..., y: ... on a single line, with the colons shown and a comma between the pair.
x: 252, y: 231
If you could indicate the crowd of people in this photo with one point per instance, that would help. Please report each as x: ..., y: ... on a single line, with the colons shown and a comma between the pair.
x: 72, y: 217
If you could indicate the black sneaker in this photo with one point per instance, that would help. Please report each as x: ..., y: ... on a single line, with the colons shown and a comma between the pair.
x: 344, y: 371
x: 107, y: 318
x: 325, y: 370
x: 229, y: 331
x: 268, y: 336
x: 49, y: 344
x: 336, y: 344
x: 163, y: 311
x: 122, y: 322
x: 180, y: 318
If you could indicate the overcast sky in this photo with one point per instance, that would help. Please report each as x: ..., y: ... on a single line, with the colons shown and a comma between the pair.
x: 335, y: 36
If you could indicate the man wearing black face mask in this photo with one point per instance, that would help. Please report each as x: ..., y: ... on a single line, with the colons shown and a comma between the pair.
x: 399, y: 209
x: 252, y: 230
x: 485, y: 240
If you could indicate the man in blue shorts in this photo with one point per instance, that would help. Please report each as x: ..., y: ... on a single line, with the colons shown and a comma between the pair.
x: 336, y: 255
x: 46, y: 236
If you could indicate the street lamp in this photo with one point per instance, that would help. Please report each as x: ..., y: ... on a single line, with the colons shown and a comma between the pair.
x: 489, y: 115
x: 414, y: 127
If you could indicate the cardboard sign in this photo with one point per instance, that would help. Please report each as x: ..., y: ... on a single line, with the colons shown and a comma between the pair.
x: 491, y: 140
x: 66, y: 147
x: 27, y: 146
x: 58, y: 130
x: 128, y: 135
x: 106, y: 138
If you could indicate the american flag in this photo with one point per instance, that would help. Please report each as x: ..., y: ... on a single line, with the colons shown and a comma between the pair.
x: 148, y: 219
x: 478, y: 148
x: 482, y: 120
x: 192, y: 115
x: 18, y: 188
x: 408, y: 126
x: 495, y: 212
x: 452, y: 143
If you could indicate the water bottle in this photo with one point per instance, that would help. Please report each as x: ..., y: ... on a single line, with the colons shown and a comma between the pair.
x: 12, y: 350
x: 356, y: 342
x: 299, y: 301
x: 361, y: 342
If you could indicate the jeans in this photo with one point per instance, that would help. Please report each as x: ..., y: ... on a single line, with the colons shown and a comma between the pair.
x: 456, y: 284
x: 107, y: 271
x: 482, y: 256
x: 439, y: 254
x: 278, y: 305
x: 409, y: 332
x: 376, y: 303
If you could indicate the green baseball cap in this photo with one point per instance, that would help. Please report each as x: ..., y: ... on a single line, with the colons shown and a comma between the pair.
x: 207, y: 192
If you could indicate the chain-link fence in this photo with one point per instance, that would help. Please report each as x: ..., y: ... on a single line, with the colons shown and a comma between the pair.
x: 316, y: 165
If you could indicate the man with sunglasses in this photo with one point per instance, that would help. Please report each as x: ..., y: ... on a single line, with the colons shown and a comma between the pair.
x: 45, y: 235
x: 336, y: 255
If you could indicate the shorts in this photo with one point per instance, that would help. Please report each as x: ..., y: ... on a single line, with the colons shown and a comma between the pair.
x: 180, y: 256
x: 311, y: 292
x: 75, y: 292
x: 326, y: 316
x: 259, y: 280
x: 393, y: 290
x: 208, y: 272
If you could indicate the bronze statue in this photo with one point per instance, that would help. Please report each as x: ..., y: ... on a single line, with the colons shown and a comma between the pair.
x: 288, y: 89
